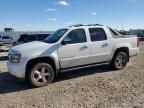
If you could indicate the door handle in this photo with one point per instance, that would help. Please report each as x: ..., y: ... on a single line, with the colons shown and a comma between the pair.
x: 105, y: 45
x: 84, y: 47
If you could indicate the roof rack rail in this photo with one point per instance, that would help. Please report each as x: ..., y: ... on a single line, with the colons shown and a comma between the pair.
x: 77, y: 25
x: 94, y: 25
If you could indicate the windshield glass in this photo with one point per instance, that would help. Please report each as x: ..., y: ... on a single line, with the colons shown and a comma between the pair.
x: 55, y: 36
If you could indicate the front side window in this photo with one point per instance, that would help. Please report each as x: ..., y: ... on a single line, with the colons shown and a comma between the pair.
x: 97, y: 34
x: 77, y: 36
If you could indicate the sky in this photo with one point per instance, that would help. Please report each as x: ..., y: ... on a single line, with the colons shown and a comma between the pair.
x: 47, y: 15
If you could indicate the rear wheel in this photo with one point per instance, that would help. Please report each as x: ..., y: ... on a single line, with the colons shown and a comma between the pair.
x: 119, y: 61
x: 41, y: 74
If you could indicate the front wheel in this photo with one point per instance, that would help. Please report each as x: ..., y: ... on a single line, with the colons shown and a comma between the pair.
x: 119, y: 61
x: 41, y: 74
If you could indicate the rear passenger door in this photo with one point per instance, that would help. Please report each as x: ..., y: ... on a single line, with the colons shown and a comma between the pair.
x: 100, y: 45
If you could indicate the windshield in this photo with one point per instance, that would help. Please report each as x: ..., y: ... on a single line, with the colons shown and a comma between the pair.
x: 55, y: 36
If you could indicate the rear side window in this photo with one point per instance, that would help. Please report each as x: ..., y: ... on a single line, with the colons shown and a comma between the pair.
x: 97, y: 34
x: 77, y: 36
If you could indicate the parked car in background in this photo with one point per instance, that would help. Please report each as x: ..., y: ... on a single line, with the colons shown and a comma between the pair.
x: 71, y: 48
x: 1, y: 43
x: 29, y: 38
x: 6, y: 39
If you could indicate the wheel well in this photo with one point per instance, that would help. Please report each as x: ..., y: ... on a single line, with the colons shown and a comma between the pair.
x: 32, y: 62
x: 122, y: 49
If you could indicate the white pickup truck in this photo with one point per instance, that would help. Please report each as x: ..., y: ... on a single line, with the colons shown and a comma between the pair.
x: 71, y: 48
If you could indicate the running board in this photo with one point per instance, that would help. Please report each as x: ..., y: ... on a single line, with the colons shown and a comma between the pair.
x: 82, y: 67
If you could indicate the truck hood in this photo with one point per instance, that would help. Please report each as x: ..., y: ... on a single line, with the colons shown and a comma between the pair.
x: 36, y: 48
x: 30, y: 45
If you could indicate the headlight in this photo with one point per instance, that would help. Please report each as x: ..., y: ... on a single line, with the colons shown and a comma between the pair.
x: 14, y: 57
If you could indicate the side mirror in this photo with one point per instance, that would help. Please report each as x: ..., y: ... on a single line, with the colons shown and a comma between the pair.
x: 66, y: 41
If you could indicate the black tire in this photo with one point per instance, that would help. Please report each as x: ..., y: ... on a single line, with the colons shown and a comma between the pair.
x: 119, y: 60
x: 41, y: 75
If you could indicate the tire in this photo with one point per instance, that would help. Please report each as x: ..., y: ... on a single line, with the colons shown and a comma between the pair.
x: 119, y: 61
x: 41, y: 75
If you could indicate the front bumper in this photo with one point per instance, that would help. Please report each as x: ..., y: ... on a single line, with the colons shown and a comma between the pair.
x: 16, y: 69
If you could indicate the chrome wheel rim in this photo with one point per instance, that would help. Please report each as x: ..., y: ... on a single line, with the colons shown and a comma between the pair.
x: 120, y: 61
x: 41, y: 75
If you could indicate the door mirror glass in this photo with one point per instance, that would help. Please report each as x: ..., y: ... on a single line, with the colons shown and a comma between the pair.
x: 66, y: 41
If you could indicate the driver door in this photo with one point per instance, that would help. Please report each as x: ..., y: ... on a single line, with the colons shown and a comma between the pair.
x: 75, y: 53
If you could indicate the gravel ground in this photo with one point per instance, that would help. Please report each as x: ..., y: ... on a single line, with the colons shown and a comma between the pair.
x: 96, y: 87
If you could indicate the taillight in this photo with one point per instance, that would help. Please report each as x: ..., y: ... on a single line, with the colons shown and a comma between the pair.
x: 138, y: 42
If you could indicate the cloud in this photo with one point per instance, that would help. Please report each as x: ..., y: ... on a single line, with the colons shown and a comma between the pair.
x: 50, y: 10
x: 63, y: 3
x: 52, y: 19
x: 93, y: 13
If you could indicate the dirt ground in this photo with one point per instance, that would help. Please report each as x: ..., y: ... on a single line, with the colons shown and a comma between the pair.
x: 96, y: 87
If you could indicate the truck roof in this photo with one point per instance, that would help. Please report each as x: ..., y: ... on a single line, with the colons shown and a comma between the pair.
x: 89, y: 25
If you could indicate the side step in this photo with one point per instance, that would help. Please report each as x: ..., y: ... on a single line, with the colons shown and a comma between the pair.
x: 85, y: 66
